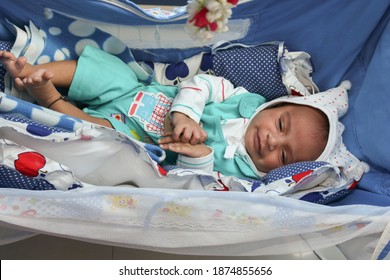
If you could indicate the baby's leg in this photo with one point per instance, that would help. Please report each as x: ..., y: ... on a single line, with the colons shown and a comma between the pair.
x: 40, y: 87
x: 13, y: 65
x: 63, y: 71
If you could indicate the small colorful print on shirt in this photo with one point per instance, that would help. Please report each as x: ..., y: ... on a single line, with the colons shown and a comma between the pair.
x: 150, y: 109
x: 119, y: 117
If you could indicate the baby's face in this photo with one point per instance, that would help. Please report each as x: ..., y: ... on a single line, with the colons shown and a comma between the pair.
x: 283, y: 135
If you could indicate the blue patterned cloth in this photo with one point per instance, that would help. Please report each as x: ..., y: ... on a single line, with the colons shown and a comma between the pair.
x: 11, y: 178
x: 23, y: 168
x: 254, y: 68
x: 291, y: 169
x: 58, y: 122
x: 303, y: 177
x: 65, y: 38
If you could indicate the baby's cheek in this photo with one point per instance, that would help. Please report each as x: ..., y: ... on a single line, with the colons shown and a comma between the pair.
x: 271, y: 162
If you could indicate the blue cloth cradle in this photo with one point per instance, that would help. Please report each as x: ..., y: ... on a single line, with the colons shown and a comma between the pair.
x: 346, y: 40
x: 341, y: 45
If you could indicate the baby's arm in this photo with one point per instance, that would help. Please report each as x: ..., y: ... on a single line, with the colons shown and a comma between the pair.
x: 187, y: 149
x: 197, y: 156
x: 202, y: 89
x: 186, y: 130
x: 69, y: 109
x: 189, y: 103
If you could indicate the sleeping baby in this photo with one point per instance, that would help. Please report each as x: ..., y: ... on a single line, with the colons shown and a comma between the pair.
x: 203, y: 123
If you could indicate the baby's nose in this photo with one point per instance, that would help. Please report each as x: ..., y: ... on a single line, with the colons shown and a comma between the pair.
x: 274, y: 142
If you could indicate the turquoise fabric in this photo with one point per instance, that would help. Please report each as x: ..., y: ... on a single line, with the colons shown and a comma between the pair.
x: 239, y: 106
x: 108, y: 87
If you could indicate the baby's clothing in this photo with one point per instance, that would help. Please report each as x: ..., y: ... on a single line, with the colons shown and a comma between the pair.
x: 111, y: 90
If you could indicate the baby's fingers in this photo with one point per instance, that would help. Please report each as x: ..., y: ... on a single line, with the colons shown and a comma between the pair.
x: 166, y: 140
x: 181, y: 133
x: 177, y: 147
x: 198, y: 136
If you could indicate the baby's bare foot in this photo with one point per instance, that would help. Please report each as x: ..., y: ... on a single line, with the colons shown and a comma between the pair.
x: 40, y: 78
x: 12, y: 64
x: 39, y: 86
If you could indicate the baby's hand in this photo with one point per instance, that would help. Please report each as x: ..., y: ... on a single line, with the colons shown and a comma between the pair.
x: 187, y: 149
x: 186, y: 130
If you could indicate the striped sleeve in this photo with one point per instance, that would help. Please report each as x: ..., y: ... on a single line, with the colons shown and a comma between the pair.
x: 205, y: 163
x: 202, y: 89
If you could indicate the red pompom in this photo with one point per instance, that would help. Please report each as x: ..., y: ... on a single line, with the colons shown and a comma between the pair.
x: 200, y: 19
x: 233, y: 2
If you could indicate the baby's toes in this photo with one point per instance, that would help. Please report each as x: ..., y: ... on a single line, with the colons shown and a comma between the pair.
x: 19, y: 84
x: 37, y: 78
x: 47, y: 75
x: 30, y: 80
x: 7, y: 55
x: 20, y: 62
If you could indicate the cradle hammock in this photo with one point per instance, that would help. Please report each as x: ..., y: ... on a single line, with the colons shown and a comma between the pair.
x: 212, y: 223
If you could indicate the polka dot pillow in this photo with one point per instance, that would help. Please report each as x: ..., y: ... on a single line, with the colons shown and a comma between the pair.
x: 254, y: 68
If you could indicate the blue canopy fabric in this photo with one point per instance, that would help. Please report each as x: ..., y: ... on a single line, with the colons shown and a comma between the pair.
x: 332, y: 32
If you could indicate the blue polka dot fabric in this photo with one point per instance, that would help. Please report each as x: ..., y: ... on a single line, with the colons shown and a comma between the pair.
x: 325, y: 197
x: 291, y: 170
x: 254, y: 68
x: 302, y: 180
x: 11, y: 178
x: 33, y: 127
x: 4, y: 46
x: 23, y: 112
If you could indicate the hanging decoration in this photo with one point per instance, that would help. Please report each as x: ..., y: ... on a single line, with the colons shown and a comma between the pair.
x: 207, y: 17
